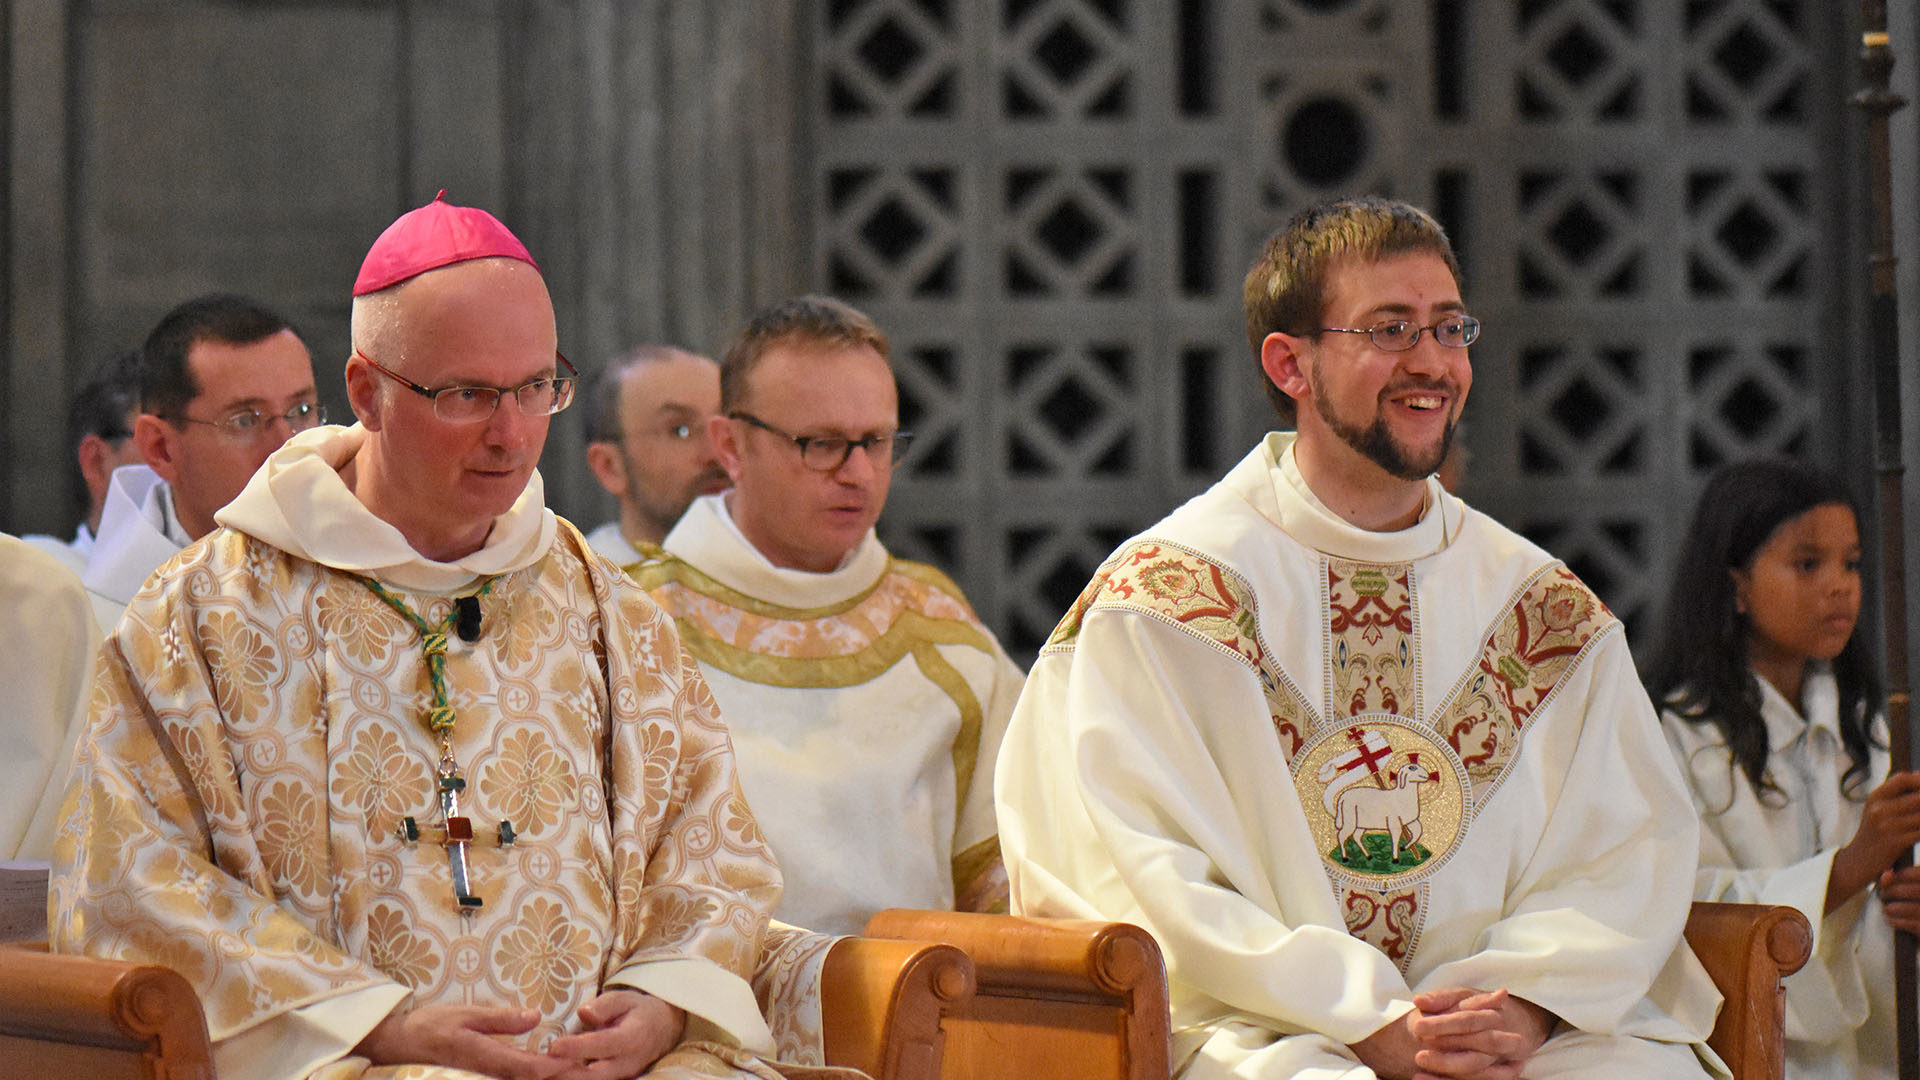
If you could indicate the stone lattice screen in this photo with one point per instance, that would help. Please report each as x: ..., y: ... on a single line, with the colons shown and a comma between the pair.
x: 1050, y: 203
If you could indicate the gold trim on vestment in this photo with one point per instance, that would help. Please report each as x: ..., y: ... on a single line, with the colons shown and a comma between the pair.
x: 912, y: 633
x: 966, y: 743
x: 969, y: 866
x: 671, y: 569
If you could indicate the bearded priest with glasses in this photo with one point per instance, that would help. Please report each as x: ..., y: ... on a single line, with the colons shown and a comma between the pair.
x: 401, y: 775
x: 865, y: 699
x: 1376, y: 772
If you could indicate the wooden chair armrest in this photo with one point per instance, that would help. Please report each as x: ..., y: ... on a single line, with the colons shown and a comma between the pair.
x: 1013, y: 951
x: 1079, y: 978
x: 881, y: 1004
x: 1748, y: 949
x: 85, y: 1001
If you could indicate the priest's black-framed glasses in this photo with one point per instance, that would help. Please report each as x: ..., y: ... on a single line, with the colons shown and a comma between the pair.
x: 543, y: 396
x: 825, y: 453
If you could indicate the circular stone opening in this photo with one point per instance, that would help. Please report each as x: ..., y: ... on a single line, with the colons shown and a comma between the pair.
x: 1324, y: 141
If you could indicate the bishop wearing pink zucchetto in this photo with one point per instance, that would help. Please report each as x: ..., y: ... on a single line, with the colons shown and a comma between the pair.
x: 395, y: 769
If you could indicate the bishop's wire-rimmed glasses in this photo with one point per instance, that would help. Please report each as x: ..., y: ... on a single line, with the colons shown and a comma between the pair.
x: 1399, y: 335
x: 826, y: 453
x: 542, y: 396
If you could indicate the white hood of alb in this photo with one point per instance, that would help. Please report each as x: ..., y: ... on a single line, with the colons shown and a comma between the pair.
x: 298, y: 503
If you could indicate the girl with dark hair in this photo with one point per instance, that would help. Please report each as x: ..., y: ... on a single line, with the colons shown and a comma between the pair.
x: 1773, y: 707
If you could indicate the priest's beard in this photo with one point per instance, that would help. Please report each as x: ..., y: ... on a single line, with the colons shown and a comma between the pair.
x: 1377, y: 444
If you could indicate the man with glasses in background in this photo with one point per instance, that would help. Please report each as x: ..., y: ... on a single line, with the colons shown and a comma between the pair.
x: 397, y: 770
x: 865, y: 699
x: 223, y: 382
x: 1375, y: 771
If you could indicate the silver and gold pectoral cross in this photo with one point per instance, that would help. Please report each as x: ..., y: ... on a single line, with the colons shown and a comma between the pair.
x: 454, y: 831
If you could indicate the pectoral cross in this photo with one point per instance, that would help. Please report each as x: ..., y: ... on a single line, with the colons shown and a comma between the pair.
x: 455, y: 833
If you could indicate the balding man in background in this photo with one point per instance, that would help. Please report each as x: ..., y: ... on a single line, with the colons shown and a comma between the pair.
x: 647, y: 414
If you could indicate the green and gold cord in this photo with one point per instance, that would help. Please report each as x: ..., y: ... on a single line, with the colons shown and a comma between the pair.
x: 433, y: 641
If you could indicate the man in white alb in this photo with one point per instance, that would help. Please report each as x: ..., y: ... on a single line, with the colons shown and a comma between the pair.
x: 865, y: 699
x: 1375, y: 771
x: 647, y: 444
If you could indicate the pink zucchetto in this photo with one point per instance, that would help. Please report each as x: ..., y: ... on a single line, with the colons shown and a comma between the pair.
x: 435, y: 235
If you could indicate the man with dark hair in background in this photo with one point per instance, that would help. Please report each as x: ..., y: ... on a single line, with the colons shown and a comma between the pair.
x: 223, y: 382
x: 647, y: 444
x: 100, y: 435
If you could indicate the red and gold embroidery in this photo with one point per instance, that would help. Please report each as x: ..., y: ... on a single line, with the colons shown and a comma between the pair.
x: 1388, y: 797
x: 1370, y: 664
x: 1196, y: 595
x: 1389, y: 921
x: 1547, y: 627
x: 1386, y: 802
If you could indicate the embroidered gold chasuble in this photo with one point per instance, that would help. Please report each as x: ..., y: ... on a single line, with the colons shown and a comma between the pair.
x: 256, y: 739
x: 1331, y: 768
x: 866, y: 706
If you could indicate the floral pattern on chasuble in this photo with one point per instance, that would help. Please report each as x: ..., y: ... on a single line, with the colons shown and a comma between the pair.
x: 1208, y: 600
x: 1370, y: 613
x: 787, y: 985
x: 257, y: 735
x: 1545, y: 631
x: 1385, y: 819
x: 1387, y: 794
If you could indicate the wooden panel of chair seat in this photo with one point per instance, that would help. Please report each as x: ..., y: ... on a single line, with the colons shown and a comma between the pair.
x: 79, y: 1016
x: 1051, y: 998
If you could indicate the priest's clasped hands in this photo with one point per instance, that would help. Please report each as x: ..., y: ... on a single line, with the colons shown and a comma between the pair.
x: 623, y: 1032
x: 1458, y: 1034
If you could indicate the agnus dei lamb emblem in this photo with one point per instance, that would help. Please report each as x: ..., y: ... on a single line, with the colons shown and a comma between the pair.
x: 1386, y: 800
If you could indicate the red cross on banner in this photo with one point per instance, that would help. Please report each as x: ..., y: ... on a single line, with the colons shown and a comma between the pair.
x: 1369, y: 749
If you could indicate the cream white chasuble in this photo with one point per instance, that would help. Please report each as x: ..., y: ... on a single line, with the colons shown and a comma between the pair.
x: 866, y: 707
x: 1329, y: 768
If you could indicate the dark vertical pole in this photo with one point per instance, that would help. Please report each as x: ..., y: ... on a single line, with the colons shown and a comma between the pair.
x: 1878, y: 102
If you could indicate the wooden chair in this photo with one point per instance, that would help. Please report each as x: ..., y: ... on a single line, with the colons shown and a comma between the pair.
x: 1095, y: 994
x: 1748, y: 949
x: 1028, y: 997
x: 882, y: 1004
x: 1051, y: 997
x: 102, y: 1019
x: 109, y: 1020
